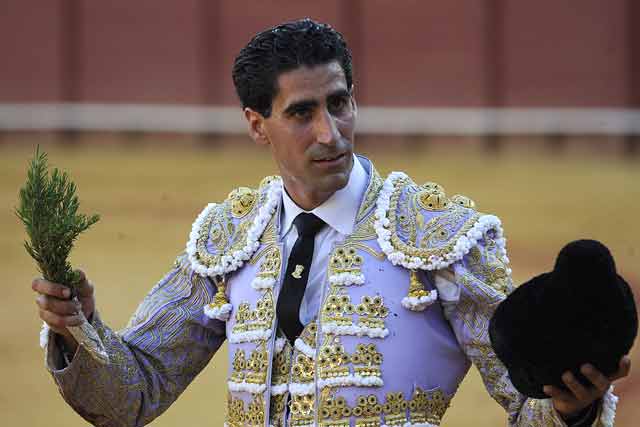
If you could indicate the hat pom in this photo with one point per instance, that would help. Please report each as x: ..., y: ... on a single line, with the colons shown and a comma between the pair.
x: 585, y: 271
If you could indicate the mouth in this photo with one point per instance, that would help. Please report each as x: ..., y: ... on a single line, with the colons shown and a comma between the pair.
x: 330, y: 160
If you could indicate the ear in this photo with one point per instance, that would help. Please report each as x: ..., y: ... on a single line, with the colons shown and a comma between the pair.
x: 255, y: 122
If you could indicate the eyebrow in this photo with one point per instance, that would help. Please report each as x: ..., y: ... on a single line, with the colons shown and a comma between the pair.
x: 304, y: 104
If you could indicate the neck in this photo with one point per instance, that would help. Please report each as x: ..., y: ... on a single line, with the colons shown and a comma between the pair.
x: 305, y: 198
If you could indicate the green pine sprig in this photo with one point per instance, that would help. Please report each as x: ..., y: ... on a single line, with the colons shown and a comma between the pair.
x: 49, y: 211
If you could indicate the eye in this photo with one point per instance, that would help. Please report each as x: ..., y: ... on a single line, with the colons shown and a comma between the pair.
x: 338, y: 104
x: 302, y: 114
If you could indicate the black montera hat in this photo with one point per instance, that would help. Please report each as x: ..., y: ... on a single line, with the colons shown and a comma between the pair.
x: 581, y: 312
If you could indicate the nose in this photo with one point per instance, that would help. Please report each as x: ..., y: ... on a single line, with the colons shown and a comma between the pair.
x: 326, y: 129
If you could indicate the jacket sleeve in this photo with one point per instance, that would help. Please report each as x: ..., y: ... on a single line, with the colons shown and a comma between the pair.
x: 470, y: 290
x: 167, y: 342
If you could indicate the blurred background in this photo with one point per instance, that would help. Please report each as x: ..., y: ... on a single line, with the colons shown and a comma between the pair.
x: 531, y: 108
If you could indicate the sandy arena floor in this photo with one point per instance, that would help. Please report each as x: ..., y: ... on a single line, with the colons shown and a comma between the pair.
x: 148, y: 196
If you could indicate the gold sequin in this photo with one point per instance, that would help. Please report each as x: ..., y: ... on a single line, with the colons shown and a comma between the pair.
x: 371, y: 311
x: 423, y: 407
x: 239, y: 416
x: 345, y: 260
x: 260, y: 318
x: 302, y: 409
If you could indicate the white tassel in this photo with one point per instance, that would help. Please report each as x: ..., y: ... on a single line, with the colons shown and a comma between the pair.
x: 609, y: 404
x: 44, y: 335
x: 420, y: 303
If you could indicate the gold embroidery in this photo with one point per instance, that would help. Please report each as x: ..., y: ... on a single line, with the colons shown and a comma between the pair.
x: 303, y: 369
x: 235, y: 411
x: 260, y: 318
x: 242, y: 201
x: 276, y: 410
x: 370, y: 358
x: 219, y: 235
x: 428, y: 407
x: 463, y: 201
x: 371, y: 311
x: 269, y: 235
x: 215, y: 230
x: 335, y: 410
x: 252, y: 370
x: 281, y: 365
x: 416, y: 288
x: 433, y: 187
x: 257, y: 366
x: 239, y: 365
x: 423, y: 407
x: 332, y: 360
x: 237, y: 416
x: 492, y: 270
x: 437, y: 239
x: 308, y: 334
x: 220, y: 298
x: 255, y: 416
x: 365, y: 229
x: 395, y: 409
x: 302, y: 410
x: 345, y: 260
x: 371, y: 194
x: 431, y: 201
x: 270, y: 267
x: 268, y: 180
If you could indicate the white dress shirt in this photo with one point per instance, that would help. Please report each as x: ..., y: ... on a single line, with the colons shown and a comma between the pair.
x: 339, y: 212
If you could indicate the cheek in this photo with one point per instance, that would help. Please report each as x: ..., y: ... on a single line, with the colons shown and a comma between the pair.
x: 289, y: 147
x: 346, y: 125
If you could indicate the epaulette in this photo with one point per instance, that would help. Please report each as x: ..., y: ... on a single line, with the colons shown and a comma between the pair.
x: 419, y: 227
x: 226, y: 234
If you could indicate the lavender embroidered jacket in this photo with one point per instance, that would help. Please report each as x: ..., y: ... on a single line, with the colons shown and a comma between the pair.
x: 405, y: 311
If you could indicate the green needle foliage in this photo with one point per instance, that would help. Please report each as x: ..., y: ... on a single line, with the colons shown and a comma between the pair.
x: 49, y: 211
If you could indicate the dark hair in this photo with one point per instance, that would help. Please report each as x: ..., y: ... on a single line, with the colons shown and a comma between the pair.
x: 284, y: 48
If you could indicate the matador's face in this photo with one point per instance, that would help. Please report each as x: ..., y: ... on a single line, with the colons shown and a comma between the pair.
x: 311, y: 132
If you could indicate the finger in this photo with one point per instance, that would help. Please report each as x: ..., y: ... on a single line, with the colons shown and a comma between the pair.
x: 58, y: 322
x: 579, y: 391
x: 58, y: 306
x: 85, y: 287
x: 596, y: 377
x: 557, y: 393
x: 45, y: 287
x: 624, y: 368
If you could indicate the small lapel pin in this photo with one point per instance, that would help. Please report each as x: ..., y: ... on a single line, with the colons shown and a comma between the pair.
x: 297, y: 273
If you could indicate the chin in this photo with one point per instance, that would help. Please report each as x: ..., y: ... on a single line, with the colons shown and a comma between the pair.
x: 335, y: 182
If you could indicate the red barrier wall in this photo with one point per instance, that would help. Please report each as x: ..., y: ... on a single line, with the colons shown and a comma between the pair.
x: 407, y: 53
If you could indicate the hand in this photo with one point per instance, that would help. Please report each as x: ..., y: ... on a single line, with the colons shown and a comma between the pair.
x: 58, y: 311
x: 578, y: 397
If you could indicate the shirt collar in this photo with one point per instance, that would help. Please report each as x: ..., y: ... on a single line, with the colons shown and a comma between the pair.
x: 339, y: 210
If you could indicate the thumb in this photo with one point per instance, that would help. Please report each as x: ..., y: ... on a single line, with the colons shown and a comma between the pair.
x: 85, y: 288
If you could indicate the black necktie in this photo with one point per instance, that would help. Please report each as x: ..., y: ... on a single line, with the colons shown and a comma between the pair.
x: 295, y: 279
